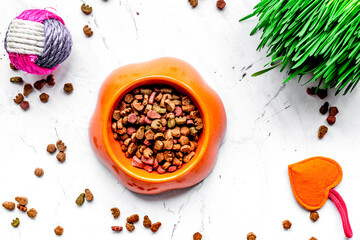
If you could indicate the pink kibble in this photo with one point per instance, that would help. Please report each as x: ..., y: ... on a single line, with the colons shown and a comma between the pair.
x: 152, y: 97
x: 147, y: 142
x: 148, y: 120
x: 149, y: 161
x: 178, y: 111
x: 160, y: 170
x: 156, y: 164
x: 172, y: 169
x: 136, y: 162
x: 175, y: 141
x: 121, y: 142
x: 142, y: 120
x: 130, y: 130
x: 190, y: 122
x: 163, y: 129
x: 188, y: 117
x: 153, y: 115
x: 148, y: 168
x: 132, y: 118
x: 170, y: 115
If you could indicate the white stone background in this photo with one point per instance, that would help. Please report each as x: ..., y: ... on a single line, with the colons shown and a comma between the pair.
x: 270, y: 125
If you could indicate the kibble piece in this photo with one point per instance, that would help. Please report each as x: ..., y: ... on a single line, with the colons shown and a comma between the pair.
x: 61, y: 157
x: 44, y: 97
x: 251, y: 236
x: 333, y: 111
x: 9, y: 205
x: 80, y: 199
x: 311, y: 91
x: 324, y: 108
x: 88, y: 195
x: 155, y: 227
x: 59, y: 230
x: 50, y: 80
x: 19, y: 98
x: 51, y: 148
x: 197, y: 236
x: 16, y: 80
x: 13, y: 67
x: 115, y: 212
x: 15, y: 222
x: 117, y: 228
x: 32, y: 213
x: 331, y: 119
x: 22, y: 208
x: 27, y: 89
x: 193, y: 3
x: 87, y: 30
x: 39, y: 172
x: 286, y: 224
x: 21, y: 200
x: 60, y: 145
x: 147, y: 221
x: 130, y: 227
x: 133, y: 218
x: 86, y: 9
x: 25, y: 105
x: 322, y: 131
x: 68, y: 87
x: 220, y: 4
x: 39, y: 84
x: 314, y: 216
x: 322, y: 93
x: 312, y: 238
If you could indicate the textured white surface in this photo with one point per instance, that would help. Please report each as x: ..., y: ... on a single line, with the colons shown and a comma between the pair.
x: 270, y: 125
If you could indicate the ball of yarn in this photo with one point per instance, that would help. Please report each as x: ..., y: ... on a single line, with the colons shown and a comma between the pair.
x: 37, y: 41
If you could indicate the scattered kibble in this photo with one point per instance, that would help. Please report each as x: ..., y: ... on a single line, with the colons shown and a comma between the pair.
x: 333, y: 111
x: 117, y: 228
x: 19, y: 98
x: 86, y: 9
x: 61, y: 146
x: 133, y: 218
x: 147, y: 221
x: 9, y: 205
x: 322, y: 93
x: 314, y: 216
x: 39, y: 172
x: 13, y: 67
x: 51, y: 148
x: 25, y: 105
x: 130, y: 227
x: 27, y: 89
x: 50, y: 80
x: 80, y: 199
x: 22, y: 208
x: 193, y: 3
x: 312, y: 238
x: 331, y: 119
x: 88, y: 195
x: 251, y: 236
x: 322, y: 131
x: 61, y: 157
x: 87, y: 30
x: 68, y: 87
x: 155, y: 227
x: 286, y: 224
x: 115, y: 212
x: 311, y: 91
x: 197, y: 236
x: 59, y: 230
x: 16, y: 80
x: 21, y: 200
x: 220, y: 4
x: 32, y: 213
x: 38, y: 85
x: 44, y: 97
x: 15, y: 222
x: 324, y: 108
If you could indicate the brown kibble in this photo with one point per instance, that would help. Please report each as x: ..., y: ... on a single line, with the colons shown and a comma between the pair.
x: 88, y: 195
x: 13, y: 67
x: 197, y: 236
x: 311, y: 91
x: 324, y: 108
x: 314, y: 216
x: 68, y: 87
x: 22, y: 208
x: 251, y: 236
x: 44, y: 97
x: 61, y: 157
x: 60, y: 145
x: 16, y: 80
x: 9, y: 205
x: 130, y: 227
x: 39, y: 172
x: 312, y: 238
x: 220, y: 4
x: 193, y: 3
x: 87, y: 31
x: 51, y: 148
x: 322, y: 93
x: 27, y: 89
x: 147, y: 221
x: 59, y: 230
x: 331, y: 119
x: 286, y: 224
x: 50, y: 80
x: 86, y: 9
x: 322, y: 131
x: 21, y: 200
x: 155, y: 227
x: 19, y: 98
x: 32, y: 213
x: 39, y: 84
x: 333, y: 111
x: 133, y: 218
x: 115, y: 212
x: 25, y: 105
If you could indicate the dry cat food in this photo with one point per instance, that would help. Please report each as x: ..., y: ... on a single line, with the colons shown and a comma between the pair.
x: 130, y: 222
x: 21, y: 200
x: 147, y: 221
x: 157, y: 127
x: 115, y: 212
x: 193, y: 3
x: 286, y: 224
x: 86, y: 9
x: 80, y: 199
x: 155, y: 227
x: 38, y: 85
x: 15, y: 222
x: 251, y: 236
x: 22, y: 208
x: 68, y: 87
x: 50, y: 80
x: 51, y: 148
x: 27, y: 89
x: 333, y: 111
x: 321, y: 93
x: 322, y: 131
x: 220, y: 4
x: 59, y: 230
x: 32, y: 213
x: 44, y: 97
x: 87, y: 31
x: 39, y: 172
x: 314, y: 216
x: 25, y: 105
x: 16, y: 80
x: 13, y: 67
x: 88, y: 195
x: 324, y: 108
x: 197, y: 236
x: 312, y: 238
x: 19, y: 98
x: 130, y: 227
x: 117, y: 228
x: 9, y: 205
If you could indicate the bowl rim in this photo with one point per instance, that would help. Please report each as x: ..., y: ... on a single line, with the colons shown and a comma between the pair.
x: 180, y: 86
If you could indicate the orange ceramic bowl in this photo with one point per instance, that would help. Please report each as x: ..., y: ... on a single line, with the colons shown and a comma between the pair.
x: 185, y: 79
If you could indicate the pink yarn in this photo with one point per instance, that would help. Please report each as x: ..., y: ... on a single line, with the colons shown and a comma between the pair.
x: 340, y: 205
x: 27, y: 62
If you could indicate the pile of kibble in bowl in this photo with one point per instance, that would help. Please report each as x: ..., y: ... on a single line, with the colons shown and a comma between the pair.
x: 157, y: 127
